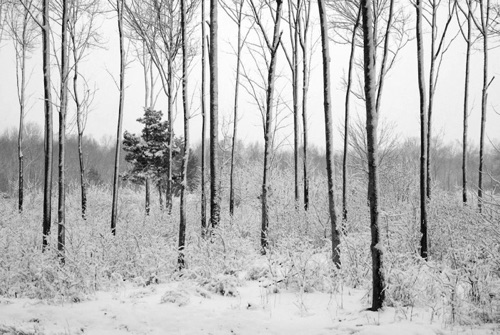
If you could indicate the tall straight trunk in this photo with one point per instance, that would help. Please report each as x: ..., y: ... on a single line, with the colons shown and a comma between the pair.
x: 114, y: 209
x: 185, y: 158
x: 295, y: 96
x: 203, y: 124
x: 214, y: 118
x: 47, y: 187
x: 235, y: 123
x: 378, y: 278
x: 21, y: 84
x: 170, y: 98
x: 346, y: 121
x: 147, y: 198
x: 61, y: 213
x: 271, y: 74
x: 305, y: 88
x: 466, y: 103
x: 431, y: 97
x: 330, y: 167
x: 423, y: 135
x: 80, y: 128
x: 485, y: 10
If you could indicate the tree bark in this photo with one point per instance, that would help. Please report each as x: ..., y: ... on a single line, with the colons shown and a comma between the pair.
x: 330, y: 167
x: 485, y: 10
x: 61, y: 213
x: 203, y: 124
x: 268, y: 124
x: 295, y: 97
x: 182, y: 224
x: 378, y: 278
x: 235, y: 122
x: 466, y: 103
x: 114, y: 209
x: 346, y: 121
x: 423, y: 135
x: 214, y: 118
x: 47, y: 194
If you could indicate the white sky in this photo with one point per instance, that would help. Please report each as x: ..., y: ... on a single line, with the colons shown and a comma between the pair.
x: 400, y: 103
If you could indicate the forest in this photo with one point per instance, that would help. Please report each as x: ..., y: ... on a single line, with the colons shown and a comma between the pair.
x: 371, y: 231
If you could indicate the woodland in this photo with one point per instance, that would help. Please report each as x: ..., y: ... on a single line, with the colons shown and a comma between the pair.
x: 383, y: 229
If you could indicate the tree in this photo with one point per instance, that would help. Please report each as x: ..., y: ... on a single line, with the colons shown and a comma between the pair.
x: 203, y: 123
x: 423, y: 134
x: 185, y: 157
x: 272, y: 47
x: 63, y: 111
x: 83, y: 36
x: 20, y: 25
x: 214, y: 117
x: 329, y: 133
x: 378, y: 278
x: 236, y: 15
x: 114, y: 209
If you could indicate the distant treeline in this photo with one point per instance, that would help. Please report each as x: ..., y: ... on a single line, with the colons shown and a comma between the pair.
x: 396, y: 158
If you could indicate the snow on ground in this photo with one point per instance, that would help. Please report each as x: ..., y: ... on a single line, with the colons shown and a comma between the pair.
x: 188, y: 309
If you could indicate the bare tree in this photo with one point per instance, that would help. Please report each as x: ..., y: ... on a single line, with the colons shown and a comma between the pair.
x: 423, y: 134
x: 329, y: 133
x: 203, y: 122
x: 83, y: 36
x: 237, y: 17
x: 214, y: 117
x: 304, y: 23
x: 272, y: 47
x: 20, y: 25
x: 378, y: 278
x: 185, y: 56
x: 114, y: 209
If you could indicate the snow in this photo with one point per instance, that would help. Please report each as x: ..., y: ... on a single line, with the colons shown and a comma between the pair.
x: 185, y: 308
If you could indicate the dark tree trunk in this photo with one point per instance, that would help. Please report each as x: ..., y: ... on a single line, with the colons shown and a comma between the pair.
x: 185, y: 158
x: 378, y: 278
x: 346, y: 121
x: 203, y: 124
x: 80, y: 128
x: 485, y: 10
x: 160, y: 196
x: 235, y: 122
x: 466, y: 103
x: 168, y: 191
x: 22, y: 102
x: 295, y: 96
x: 330, y: 167
x: 61, y: 213
x: 114, y: 209
x: 147, y: 200
x: 214, y: 118
x: 47, y: 193
x: 423, y: 135
x: 268, y: 125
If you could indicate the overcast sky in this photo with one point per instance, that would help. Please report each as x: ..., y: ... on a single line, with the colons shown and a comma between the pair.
x: 400, y: 103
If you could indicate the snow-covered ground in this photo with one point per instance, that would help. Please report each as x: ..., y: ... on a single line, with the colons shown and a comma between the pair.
x: 185, y: 308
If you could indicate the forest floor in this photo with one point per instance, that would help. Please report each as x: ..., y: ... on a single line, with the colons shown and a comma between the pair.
x: 253, y: 307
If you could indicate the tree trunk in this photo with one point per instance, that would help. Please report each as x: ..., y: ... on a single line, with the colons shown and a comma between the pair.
x: 484, y: 98
x: 80, y: 128
x: 185, y: 158
x: 330, y: 167
x: 268, y: 125
x: 378, y: 278
x: 235, y: 122
x: 295, y: 96
x: 47, y: 193
x: 170, y: 98
x: 160, y: 195
x: 346, y: 121
x: 203, y: 124
x: 466, y: 103
x: 22, y: 103
x: 214, y: 118
x: 431, y: 98
x: 147, y: 200
x: 61, y: 213
x: 423, y: 135
x: 114, y: 209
